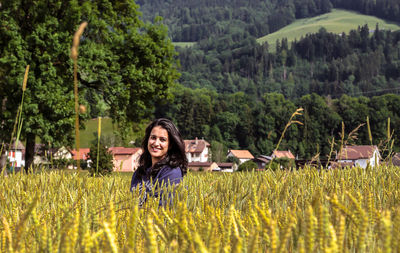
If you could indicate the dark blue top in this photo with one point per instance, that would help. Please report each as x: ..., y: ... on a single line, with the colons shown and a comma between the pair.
x: 166, y: 176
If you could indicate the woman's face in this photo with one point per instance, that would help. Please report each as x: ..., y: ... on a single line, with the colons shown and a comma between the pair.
x: 158, y: 143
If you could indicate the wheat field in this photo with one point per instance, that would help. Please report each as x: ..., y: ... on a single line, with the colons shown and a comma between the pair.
x: 309, y: 210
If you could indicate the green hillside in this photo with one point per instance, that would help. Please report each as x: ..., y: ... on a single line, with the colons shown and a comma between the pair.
x: 337, y: 21
x: 89, y: 134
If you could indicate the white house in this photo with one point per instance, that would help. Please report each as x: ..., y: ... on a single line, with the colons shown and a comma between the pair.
x: 242, y: 155
x: 197, y: 150
x: 16, y: 155
x: 359, y: 156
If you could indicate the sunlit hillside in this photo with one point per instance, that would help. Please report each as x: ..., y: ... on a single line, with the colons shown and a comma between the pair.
x: 337, y: 21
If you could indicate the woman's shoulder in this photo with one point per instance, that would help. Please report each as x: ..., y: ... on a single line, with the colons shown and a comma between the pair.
x: 170, y: 172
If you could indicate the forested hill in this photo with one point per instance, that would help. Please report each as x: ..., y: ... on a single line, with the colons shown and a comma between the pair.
x: 193, y: 20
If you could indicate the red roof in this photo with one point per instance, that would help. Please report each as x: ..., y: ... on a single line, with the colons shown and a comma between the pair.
x: 195, y: 146
x: 280, y: 154
x: 357, y: 152
x: 123, y: 150
x: 242, y: 154
x: 83, y: 153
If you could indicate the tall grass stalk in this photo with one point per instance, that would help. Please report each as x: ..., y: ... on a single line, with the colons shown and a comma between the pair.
x: 74, y: 56
x: 18, y: 118
x: 369, y: 131
x: 98, y: 145
x: 290, y: 122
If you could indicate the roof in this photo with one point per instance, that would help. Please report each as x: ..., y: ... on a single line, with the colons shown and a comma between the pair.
x: 225, y: 165
x: 241, y: 154
x: 20, y: 146
x: 196, y: 145
x: 199, y: 164
x: 396, y: 159
x: 123, y: 150
x: 280, y: 154
x: 83, y: 153
x: 263, y: 158
x: 357, y: 152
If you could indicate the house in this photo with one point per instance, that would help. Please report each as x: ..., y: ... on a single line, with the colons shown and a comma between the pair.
x: 40, y: 154
x: 226, y: 167
x: 125, y: 159
x: 202, y: 166
x: 262, y: 161
x: 16, y: 155
x: 282, y: 154
x: 242, y: 155
x: 396, y: 159
x: 62, y: 153
x: 83, y: 154
x: 197, y: 150
x: 359, y: 155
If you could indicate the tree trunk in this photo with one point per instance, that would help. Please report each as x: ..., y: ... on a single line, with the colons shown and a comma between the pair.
x: 30, y: 151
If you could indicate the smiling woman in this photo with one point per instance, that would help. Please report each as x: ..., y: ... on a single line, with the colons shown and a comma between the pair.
x: 163, y: 162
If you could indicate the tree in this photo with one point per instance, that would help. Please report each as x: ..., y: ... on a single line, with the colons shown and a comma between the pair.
x: 104, y: 165
x: 127, y: 61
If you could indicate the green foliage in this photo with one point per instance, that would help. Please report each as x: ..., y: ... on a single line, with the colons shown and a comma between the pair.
x: 121, y: 58
x: 248, y: 166
x: 232, y: 159
x: 218, y: 152
x: 104, y: 165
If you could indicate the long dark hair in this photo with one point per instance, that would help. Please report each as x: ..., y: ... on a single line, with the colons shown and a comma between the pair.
x: 175, y: 156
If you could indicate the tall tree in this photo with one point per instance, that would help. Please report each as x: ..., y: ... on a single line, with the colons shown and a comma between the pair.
x: 131, y: 63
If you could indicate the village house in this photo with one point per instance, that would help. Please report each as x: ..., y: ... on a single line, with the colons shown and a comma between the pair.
x: 242, y: 155
x: 202, y: 166
x: 282, y: 154
x: 83, y: 154
x: 262, y: 161
x: 197, y: 150
x: 62, y: 153
x: 212, y: 166
x: 125, y: 159
x: 16, y: 155
x: 362, y: 156
x: 226, y: 167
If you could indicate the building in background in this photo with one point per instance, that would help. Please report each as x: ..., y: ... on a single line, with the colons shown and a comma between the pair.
x: 362, y: 156
x: 242, y: 155
x: 197, y: 150
x: 125, y: 159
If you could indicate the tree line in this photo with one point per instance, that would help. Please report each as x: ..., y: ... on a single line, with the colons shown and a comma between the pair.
x: 192, y: 20
x: 239, y: 121
x: 363, y: 62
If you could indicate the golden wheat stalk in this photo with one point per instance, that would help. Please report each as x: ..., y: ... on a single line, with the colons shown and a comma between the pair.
x: 74, y: 56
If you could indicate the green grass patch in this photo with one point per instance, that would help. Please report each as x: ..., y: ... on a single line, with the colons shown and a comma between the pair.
x: 183, y: 44
x: 337, y: 21
x: 88, y: 135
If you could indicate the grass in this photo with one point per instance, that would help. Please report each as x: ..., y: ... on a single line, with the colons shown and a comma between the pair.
x: 337, y: 21
x: 183, y: 44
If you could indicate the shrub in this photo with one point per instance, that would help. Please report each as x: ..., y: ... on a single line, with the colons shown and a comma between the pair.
x: 105, y: 164
x: 248, y: 166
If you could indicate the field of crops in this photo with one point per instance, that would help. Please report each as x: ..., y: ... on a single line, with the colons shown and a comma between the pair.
x: 349, y: 210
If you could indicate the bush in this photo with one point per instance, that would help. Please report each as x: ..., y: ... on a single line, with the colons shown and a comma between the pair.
x: 248, y: 166
x: 232, y: 159
x: 281, y: 163
x: 105, y: 164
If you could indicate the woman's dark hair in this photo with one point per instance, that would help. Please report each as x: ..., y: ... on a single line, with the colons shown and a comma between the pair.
x: 175, y: 156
